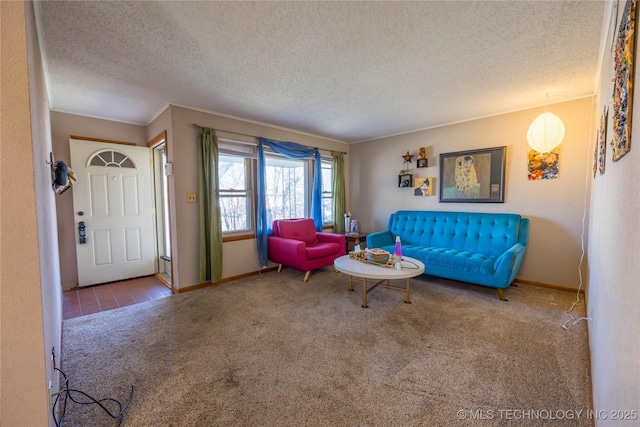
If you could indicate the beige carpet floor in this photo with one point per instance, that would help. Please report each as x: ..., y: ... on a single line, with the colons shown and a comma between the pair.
x: 271, y: 350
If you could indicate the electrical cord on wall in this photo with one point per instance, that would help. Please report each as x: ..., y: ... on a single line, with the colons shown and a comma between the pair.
x: 572, y: 320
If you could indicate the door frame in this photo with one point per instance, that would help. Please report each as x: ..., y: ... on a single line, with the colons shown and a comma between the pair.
x: 87, y: 142
x: 161, y: 139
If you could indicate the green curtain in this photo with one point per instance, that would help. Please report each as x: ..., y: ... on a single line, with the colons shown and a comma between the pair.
x: 210, y: 221
x: 339, y: 200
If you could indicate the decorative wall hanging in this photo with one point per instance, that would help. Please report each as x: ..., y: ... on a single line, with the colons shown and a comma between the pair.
x: 603, y: 139
x: 405, y: 180
x: 422, y: 161
x: 475, y: 176
x: 424, y: 187
x: 543, y: 165
x: 408, y: 158
x: 62, y: 176
x: 624, y: 69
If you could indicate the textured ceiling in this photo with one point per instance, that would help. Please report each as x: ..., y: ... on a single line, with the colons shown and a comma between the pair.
x: 350, y: 71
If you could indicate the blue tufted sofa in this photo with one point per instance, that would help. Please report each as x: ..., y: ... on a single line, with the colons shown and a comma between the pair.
x: 480, y: 248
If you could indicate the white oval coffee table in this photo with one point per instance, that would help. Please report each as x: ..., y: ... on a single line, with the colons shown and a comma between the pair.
x: 411, y: 267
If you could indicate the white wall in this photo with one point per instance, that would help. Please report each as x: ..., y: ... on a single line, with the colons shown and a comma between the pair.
x: 555, y: 207
x: 30, y: 288
x: 614, y: 285
x: 45, y: 203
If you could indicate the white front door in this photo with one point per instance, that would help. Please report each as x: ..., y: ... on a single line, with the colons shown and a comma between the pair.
x: 113, y: 200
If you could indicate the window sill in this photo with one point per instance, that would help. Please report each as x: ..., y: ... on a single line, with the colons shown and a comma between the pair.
x: 248, y: 236
x: 237, y: 237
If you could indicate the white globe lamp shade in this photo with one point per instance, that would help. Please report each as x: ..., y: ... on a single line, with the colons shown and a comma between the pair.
x: 545, y: 133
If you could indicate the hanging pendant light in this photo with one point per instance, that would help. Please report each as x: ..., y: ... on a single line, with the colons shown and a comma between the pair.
x: 546, y: 132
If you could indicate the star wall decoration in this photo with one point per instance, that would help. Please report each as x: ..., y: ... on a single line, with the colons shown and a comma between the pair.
x: 408, y: 157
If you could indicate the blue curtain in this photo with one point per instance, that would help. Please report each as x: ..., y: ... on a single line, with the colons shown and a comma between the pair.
x: 292, y: 151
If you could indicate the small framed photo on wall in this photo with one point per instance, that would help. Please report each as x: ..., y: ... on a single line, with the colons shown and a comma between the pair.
x: 405, y: 181
x: 424, y: 187
x: 423, y: 163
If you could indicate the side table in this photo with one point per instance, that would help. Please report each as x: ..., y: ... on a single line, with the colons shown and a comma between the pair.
x: 354, y: 238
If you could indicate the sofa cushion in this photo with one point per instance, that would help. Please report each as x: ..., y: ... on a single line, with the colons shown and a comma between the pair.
x: 298, y: 229
x: 321, y: 250
x: 450, y: 258
x: 485, y: 233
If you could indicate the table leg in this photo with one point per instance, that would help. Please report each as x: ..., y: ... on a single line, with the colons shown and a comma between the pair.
x: 408, y: 299
x: 351, y: 283
x: 364, y: 294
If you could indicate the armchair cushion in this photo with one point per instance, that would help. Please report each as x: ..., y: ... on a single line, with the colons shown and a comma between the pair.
x: 321, y: 250
x: 298, y: 229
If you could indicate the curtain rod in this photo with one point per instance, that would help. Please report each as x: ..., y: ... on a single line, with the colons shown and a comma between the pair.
x: 253, y: 136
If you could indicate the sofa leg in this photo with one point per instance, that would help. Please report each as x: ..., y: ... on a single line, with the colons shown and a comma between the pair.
x: 306, y: 276
x: 279, y: 268
x: 501, y: 295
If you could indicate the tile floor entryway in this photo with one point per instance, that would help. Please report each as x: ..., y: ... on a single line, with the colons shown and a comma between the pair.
x: 92, y: 299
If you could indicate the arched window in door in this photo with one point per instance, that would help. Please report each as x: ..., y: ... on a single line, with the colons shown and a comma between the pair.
x: 111, y: 158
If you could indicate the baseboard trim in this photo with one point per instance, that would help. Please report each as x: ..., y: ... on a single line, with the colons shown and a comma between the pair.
x: 547, y: 285
x: 253, y: 273
x: 225, y: 280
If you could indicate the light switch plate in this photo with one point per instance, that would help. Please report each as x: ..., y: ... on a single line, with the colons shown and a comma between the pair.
x: 192, y: 198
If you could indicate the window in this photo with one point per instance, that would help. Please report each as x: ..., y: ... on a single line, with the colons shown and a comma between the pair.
x: 111, y: 158
x: 236, y: 195
x: 287, y: 184
x: 327, y: 191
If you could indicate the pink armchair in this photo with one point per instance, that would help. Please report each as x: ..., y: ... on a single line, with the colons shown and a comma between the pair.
x: 295, y: 243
